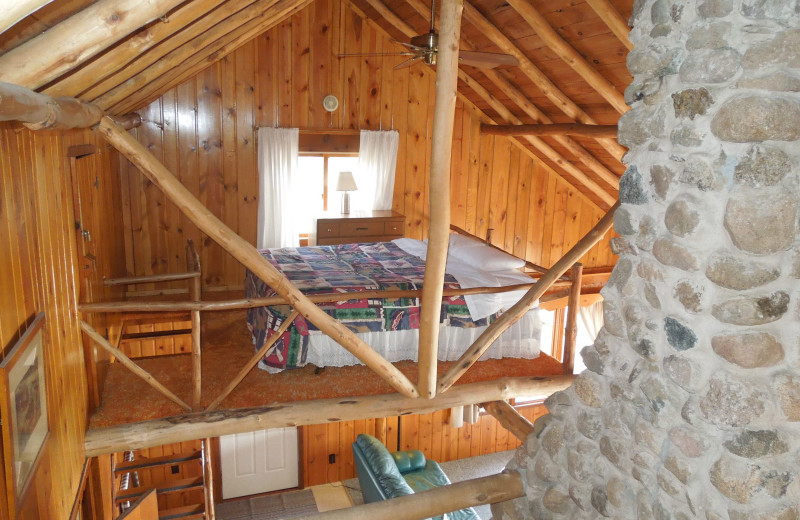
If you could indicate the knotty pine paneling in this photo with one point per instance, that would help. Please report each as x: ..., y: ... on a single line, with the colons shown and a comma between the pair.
x: 429, y: 433
x: 40, y: 272
x: 205, y: 132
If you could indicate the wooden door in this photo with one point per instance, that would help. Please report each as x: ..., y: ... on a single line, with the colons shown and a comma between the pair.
x: 85, y: 183
x: 260, y: 461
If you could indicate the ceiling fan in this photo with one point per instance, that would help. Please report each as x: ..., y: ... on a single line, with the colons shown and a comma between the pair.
x: 425, y: 47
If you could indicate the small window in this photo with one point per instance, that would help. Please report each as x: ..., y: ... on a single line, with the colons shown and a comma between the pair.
x: 317, y: 174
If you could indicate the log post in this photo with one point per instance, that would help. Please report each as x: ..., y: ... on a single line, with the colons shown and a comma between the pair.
x: 513, y: 314
x: 437, y: 501
x: 509, y: 418
x: 208, y: 478
x: 196, y: 425
x: 248, y: 255
x: 253, y: 361
x: 439, y: 229
x: 595, y: 131
x: 195, y: 288
x: 133, y: 367
x: 571, y: 329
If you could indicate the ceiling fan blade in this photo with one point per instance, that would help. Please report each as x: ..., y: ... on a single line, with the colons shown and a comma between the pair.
x: 486, y: 60
x: 355, y: 54
x: 408, y: 63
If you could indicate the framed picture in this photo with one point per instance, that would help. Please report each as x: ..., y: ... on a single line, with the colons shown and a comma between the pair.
x: 23, y: 409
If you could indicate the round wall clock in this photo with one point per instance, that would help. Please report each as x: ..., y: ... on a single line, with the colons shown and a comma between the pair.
x: 330, y: 103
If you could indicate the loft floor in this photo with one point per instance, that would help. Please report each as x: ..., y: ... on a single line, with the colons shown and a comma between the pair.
x: 227, y: 346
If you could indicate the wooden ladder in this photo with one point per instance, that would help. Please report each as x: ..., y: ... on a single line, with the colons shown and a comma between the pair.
x: 172, y: 487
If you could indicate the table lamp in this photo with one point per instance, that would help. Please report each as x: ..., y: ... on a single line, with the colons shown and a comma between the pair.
x: 346, y: 183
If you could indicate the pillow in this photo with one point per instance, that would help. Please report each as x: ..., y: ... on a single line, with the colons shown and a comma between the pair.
x: 479, y: 255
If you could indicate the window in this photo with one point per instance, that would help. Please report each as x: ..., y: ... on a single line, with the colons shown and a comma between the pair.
x: 316, y: 177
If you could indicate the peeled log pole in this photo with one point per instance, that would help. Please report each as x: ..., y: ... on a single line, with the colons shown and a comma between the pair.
x: 68, y: 44
x: 248, y: 255
x: 433, y: 502
x: 509, y: 418
x: 571, y: 328
x: 196, y: 425
x: 513, y: 314
x: 596, y: 131
x: 130, y: 365
x: 439, y: 230
x: 39, y: 111
x: 18, y: 10
x: 614, y: 20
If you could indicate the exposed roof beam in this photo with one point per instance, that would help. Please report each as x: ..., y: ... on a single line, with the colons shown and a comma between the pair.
x: 613, y: 20
x: 570, y: 56
x: 145, y: 46
x: 552, y: 129
x: 78, y: 38
x: 200, y: 52
x: 198, y: 425
x: 539, y: 78
x: 39, y: 111
x: 18, y: 10
x: 540, y: 145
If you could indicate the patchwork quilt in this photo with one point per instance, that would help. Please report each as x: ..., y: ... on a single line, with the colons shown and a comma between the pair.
x: 346, y: 268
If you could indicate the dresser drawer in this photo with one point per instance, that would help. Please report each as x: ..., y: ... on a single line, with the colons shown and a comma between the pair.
x: 328, y: 229
x: 394, y: 227
x: 360, y: 229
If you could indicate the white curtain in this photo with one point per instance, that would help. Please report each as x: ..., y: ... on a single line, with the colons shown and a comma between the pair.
x: 277, y: 164
x: 592, y: 318
x: 377, y: 159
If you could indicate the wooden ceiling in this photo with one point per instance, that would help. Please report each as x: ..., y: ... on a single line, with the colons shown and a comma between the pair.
x: 571, y: 53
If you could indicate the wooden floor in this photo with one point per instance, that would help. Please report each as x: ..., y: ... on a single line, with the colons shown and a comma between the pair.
x: 227, y: 346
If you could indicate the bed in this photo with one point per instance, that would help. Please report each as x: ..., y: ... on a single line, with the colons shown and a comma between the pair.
x: 389, y: 325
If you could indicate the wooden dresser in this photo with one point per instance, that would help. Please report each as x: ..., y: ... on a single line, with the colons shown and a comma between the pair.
x: 359, y: 226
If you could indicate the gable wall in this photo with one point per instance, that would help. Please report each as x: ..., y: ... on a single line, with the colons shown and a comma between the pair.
x: 205, y: 131
x: 39, y: 273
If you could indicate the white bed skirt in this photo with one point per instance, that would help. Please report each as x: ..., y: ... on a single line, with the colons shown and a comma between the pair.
x: 521, y: 340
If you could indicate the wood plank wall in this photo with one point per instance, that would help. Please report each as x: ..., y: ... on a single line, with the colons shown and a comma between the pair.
x: 39, y: 273
x: 429, y: 433
x: 205, y: 131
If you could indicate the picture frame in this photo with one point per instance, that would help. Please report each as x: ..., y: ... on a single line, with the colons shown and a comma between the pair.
x: 23, y: 410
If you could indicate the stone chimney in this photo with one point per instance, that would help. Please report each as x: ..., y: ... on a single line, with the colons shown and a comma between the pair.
x: 691, y: 404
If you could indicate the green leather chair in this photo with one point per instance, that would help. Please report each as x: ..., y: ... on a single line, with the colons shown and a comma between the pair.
x: 384, y: 475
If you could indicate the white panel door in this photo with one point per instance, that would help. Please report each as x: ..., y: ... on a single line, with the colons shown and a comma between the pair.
x: 257, y: 462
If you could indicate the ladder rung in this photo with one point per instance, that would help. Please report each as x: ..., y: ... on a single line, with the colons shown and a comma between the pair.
x: 162, y: 488
x: 167, y: 460
x: 183, y: 513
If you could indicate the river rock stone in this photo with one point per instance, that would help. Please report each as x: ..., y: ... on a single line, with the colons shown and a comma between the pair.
x: 553, y: 439
x: 637, y: 126
x: 769, y: 9
x: 653, y: 61
x: 754, y: 444
x: 748, y: 118
x: 780, y: 81
x: 631, y: 187
x: 688, y: 441
x: 784, y: 48
x: 711, y: 36
x: 731, y: 403
x: 679, y: 370
x: 738, y: 481
x: 556, y: 500
x: 678, y: 467
x: 731, y: 272
x: 783, y: 513
x: 710, y: 66
x: 600, y: 500
x: 749, y: 350
x: 661, y: 178
x: 691, y: 102
x: 700, y: 174
x: 679, y: 336
x: 681, y: 218
x: 686, y: 136
x: 762, y: 166
x: 690, y: 295
x: 624, y: 221
x: 761, y: 228
x: 788, y: 390
x: 588, y: 390
x: 668, y: 252
x: 715, y: 8
x: 752, y: 310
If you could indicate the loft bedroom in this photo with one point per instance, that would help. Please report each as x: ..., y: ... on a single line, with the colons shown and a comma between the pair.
x: 203, y: 77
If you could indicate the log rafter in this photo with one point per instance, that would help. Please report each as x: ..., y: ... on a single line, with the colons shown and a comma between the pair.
x: 552, y: 129
x: 613, y: 20
x: 569, y: 55
x: 539, y: 78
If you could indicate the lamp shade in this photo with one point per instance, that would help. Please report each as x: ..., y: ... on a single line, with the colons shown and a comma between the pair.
x: 346, y: 182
